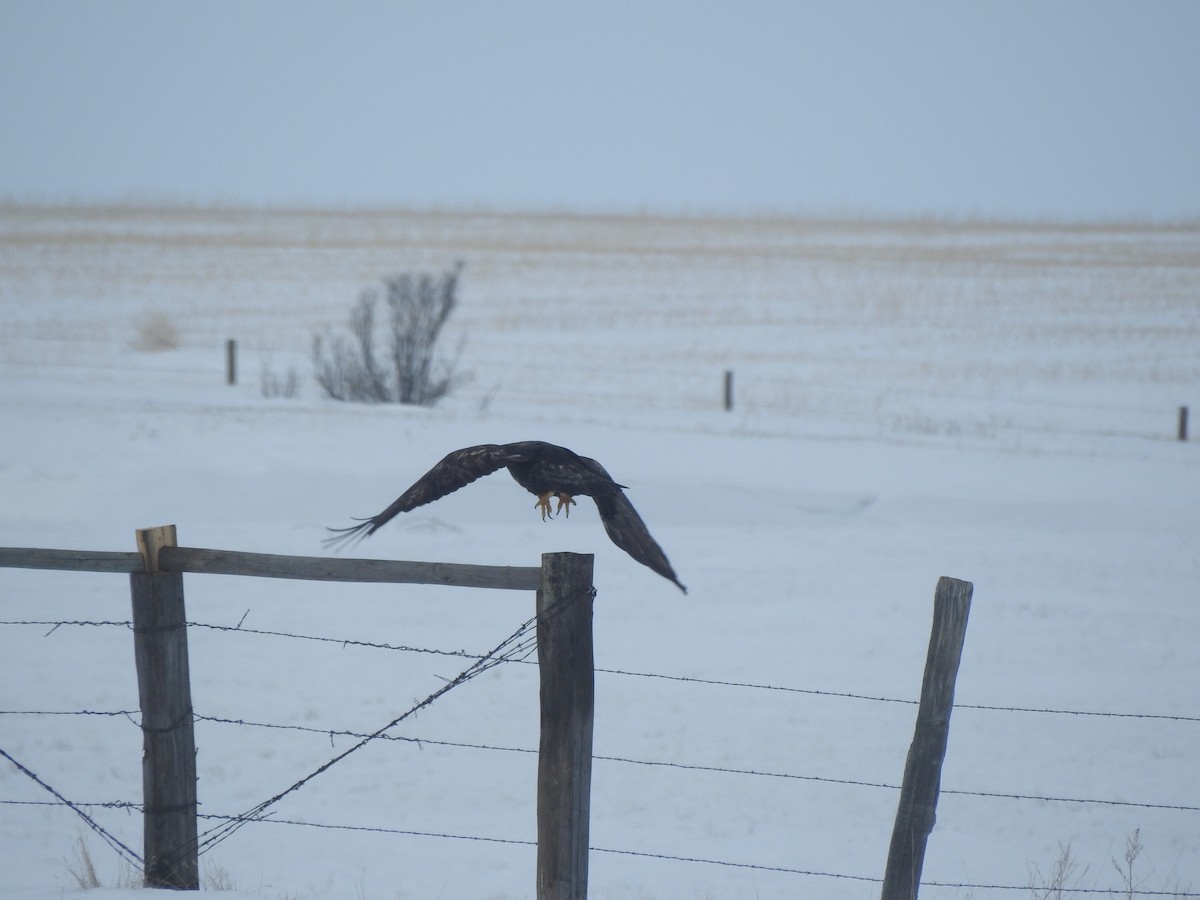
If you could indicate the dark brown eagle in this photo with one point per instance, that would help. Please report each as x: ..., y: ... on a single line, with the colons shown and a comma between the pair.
x: 543, y: 469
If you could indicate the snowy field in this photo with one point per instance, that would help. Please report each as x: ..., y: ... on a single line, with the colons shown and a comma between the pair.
x: 994, y: 402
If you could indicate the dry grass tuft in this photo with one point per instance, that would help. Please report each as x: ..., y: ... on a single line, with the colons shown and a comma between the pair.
x: 156, y: 333
x: 81, y: 868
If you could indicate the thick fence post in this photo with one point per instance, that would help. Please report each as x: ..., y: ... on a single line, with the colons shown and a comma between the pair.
x: 565, y: 666
x: 231, y: 361
x: 728, y: 390
x: 923, y: 769
x: 1183, y: 417
x: 168, y: 744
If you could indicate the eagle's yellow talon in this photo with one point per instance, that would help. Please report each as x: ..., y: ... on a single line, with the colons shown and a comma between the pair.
x: 543, y: 504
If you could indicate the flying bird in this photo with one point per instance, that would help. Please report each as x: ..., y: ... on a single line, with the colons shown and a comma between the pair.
x: 546, y: 470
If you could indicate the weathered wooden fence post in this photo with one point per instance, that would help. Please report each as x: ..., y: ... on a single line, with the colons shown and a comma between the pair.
x: 565, y: 666
x: 231, y: 361
x: 1183, y: 417
x: 923, y: 769
x: 168, y: 744
x: 728, y: 390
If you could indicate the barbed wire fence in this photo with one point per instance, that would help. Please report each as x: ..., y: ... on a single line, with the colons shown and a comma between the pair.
x: 909, y: 407
x: 515, y: 650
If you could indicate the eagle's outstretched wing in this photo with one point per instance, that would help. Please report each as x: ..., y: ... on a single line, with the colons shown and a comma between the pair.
x: 455, y: 470
x: 627, y: 530
x: 543, y: 469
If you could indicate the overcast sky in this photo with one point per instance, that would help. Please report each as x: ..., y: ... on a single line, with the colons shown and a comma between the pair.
x: 1037, y: 108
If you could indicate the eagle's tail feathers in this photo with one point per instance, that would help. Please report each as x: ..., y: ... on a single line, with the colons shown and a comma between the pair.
x: 340, y: 538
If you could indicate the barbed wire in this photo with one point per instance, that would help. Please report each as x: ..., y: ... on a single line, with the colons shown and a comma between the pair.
x: 519, y: 644
x: 127, y: 713
x: 272, y: 820
x: 106, y: 804
x: 724, y: 770
x: 377, y: 829
x: 129, y: 855
x: 689, y: 383
x: 1100, y: 714
x: 693, y: 767
x: 685, y: 679
x: 643, y: 854
x: 1051, y: 799
x: 844, y: 695
x: 875, y: 880
x: 59, y: 623
x: 344, y: 642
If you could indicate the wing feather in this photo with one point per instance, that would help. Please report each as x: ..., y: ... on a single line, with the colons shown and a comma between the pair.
x: 455, y: 470
x: 627, y: 530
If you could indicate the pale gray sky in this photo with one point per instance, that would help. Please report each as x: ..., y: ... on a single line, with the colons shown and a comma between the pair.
x: 1043, y: 108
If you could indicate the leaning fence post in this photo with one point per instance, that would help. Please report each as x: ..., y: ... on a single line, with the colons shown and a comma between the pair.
x: 923, y: 769
x: 168, y: 744
x: 565, y: 666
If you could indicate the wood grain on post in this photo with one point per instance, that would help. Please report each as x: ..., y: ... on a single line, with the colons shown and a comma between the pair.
x: 168, y: 743
x: 565, y: 665
x: 916, y: 812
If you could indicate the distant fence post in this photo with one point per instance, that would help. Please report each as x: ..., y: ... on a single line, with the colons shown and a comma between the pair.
x: 923, y: 769
x: 728, y: 390
x: 1183, y: 416
x: 165, y: 695
x: 565, y: 666
x: 231, y: 361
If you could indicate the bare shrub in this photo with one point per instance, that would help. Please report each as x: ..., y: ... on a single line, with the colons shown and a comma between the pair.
x: 347, y: 369
x: 1133, y: 849
x: 271, y: 384
x: 1064, y: 877
x: 156, y: 333
x: 1067, y: 878
x: 417, y: 308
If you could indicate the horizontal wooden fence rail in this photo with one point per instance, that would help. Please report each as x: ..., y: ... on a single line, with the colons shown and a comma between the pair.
x: 71, y: 560
x: 269, y: 565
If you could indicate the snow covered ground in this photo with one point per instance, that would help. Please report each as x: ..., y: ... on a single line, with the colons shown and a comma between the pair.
x: 995, y: 402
